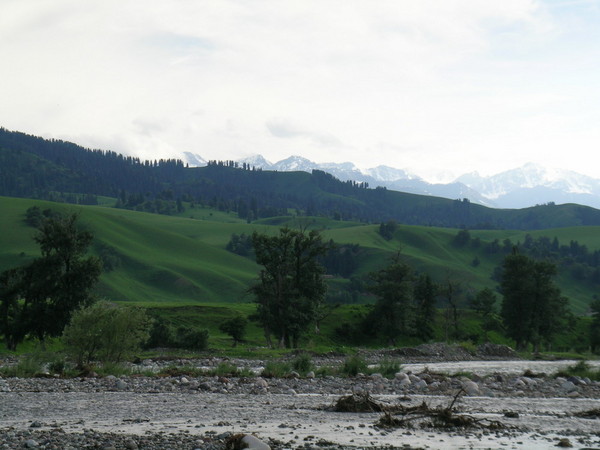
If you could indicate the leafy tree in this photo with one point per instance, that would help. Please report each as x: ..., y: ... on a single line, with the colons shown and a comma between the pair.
x: 105, y: 332
x: 291, y: 285
x: 533, y: 309
x: 387, y: 229
x: 38, y: 298
x: 425, y: 294
x: 451, y: 291
x: 394, y: 311
x: 484, y: 304
x: 462, y: 238
x: 595, y: 326
x: 240, y: 244
x: 235, y: 327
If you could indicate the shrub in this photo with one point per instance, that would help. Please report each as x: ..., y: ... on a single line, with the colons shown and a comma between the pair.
x: 353, y: 366
x: 389, y: 368
x: 161, y: 334
x: 105, y: 332
x: 235, y: 327
x: 191, y: 339
x: 302, y: 363
x: 274, y: 369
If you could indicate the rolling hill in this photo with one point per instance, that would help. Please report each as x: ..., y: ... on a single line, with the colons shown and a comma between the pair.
x: 160, y: 258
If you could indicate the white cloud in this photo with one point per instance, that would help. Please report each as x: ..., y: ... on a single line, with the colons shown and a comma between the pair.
x: 455, y: 85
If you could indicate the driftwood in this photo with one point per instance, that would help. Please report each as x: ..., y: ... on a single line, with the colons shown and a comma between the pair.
x: 359, y: 402
x: 409, y: 416
x: 436, y: 417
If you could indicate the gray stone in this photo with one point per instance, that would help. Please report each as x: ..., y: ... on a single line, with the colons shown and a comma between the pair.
x: 568, y: 386
x: 30, y: 443
x: 253, y: 443
x: 471, y: 388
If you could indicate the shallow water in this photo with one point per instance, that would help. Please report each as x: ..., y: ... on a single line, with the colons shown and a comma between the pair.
x: 489, y: 367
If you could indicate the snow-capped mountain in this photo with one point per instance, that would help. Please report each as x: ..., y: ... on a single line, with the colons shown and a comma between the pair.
x: 523, y: 187
x: 534, y: 184
x: 193, y: 159
x: 386, y: 173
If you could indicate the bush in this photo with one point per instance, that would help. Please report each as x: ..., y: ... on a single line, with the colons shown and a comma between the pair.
x: 353, y: 366
x: 235, y: 327
x: 105, y: 332
x: 274, y: 369
x: 161, y: 334
x: 191, y: 339
x: 302, y: 363
x: 389, y: 368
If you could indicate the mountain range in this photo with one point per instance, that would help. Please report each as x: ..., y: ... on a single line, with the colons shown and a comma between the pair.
x: 529, y: 185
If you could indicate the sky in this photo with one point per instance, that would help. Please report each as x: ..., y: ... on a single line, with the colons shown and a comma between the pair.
x: 440, y: 87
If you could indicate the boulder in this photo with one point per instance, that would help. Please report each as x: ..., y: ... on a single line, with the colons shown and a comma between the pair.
x: 251, y: 442
x: 471, y: 388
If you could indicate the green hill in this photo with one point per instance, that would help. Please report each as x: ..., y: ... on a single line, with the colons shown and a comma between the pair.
x: 159, y: 258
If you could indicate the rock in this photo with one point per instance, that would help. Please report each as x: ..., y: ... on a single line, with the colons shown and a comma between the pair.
x: 564, y: 442
x: 400, y: 376
x: 413, y: 378
x: 262, y: 383
x: 253, y: 443
x: 30, y: 443
x: 121, y: 385
x: 421, y: 384
x: 496, y: 350
x: 35, y: 424
x: 131, y: 445
x: 568, y: 386
x: 310, y: 374
x: 471, y: 388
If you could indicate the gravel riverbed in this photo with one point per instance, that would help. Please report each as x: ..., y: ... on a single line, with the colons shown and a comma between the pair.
x: 207, y: 412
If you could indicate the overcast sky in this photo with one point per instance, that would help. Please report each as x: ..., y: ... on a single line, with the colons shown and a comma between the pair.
x: 437, y: 86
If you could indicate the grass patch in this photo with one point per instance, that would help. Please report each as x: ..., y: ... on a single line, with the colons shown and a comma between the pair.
x: 276, y: 369
x: 581, y: 369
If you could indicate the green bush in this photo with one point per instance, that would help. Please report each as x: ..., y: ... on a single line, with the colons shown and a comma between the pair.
x: 353, y: 366
x: 302, y: 363
x: 389, y: 368
x: 105, y: 332
x: 191, y: 339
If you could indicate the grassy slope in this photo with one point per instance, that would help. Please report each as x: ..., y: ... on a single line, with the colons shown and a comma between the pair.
x: 166, y: 259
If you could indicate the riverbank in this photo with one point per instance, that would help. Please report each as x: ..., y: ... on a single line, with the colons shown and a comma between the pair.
x: 534, y: 409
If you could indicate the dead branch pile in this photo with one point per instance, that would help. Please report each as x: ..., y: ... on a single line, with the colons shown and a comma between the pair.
x: 359, y: 402
x: 437, y: 417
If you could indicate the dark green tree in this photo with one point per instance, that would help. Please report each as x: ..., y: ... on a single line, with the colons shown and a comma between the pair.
x: 38, y: 299
x: 394, y: 311
x: 425, y: 296
x: 595, y: 326
x: 235, y: 327
x: 484, y: 304
x: 291, y: 285
x: 533, y: 309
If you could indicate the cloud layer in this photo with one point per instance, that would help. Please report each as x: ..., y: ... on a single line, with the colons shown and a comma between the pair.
x: 435, y: 86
